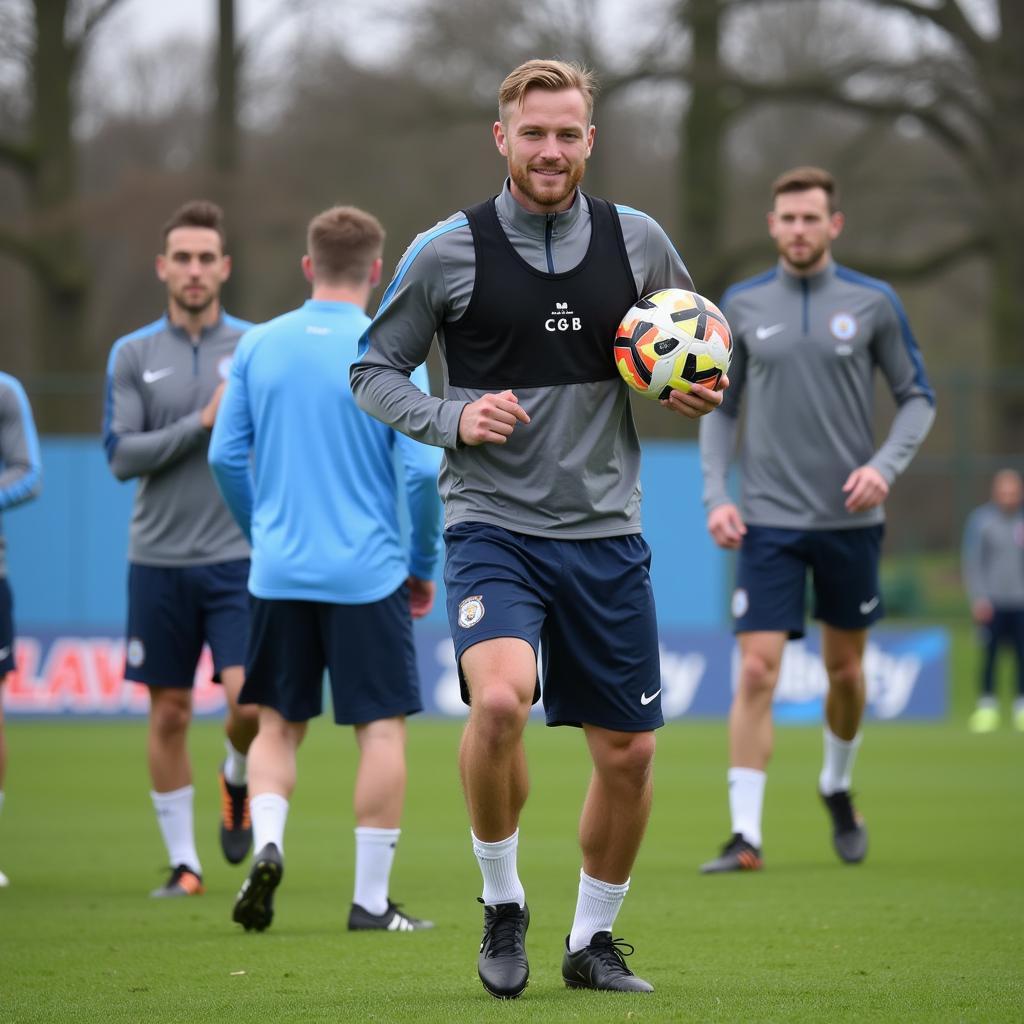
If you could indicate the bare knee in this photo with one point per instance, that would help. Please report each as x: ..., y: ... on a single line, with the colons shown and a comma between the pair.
x: 625, y: 756
x: 170, y: 714
x: 499, y: 710
x: 758, y: 675
x: 846, y: 678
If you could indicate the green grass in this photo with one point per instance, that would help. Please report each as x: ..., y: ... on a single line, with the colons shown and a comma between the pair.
x: 930, y: 928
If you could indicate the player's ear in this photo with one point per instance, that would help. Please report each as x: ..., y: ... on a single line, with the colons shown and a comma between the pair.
x: 225, y: 268
x: 591, y: 132
x: 835, y: 224
x: 307, y: 267
x: 161, y: 266
x: 500, y: 139
x: 376, y: 271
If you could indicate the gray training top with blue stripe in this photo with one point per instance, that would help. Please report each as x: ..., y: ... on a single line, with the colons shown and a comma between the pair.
x: 993, y: 556
x: 21, y: 469
x: 564, y: 495
x: 158, y: 381
x: 805, y: 352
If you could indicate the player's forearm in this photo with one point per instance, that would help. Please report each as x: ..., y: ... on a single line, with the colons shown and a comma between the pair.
x: 390, y: 396
x: 717, y: 442
x: 142, y: 453
x: 909, y: 428
x: 235, y: 485
x: 19, y: 482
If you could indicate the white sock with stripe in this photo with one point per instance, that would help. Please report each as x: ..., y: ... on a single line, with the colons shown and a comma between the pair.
x: 498, y: 866
x: 375, y: 853
x: 746, y: 801
x: 597, y: 906
x: 174, y: 816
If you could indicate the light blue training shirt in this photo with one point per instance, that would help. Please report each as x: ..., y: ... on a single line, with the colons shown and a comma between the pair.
x: 310, y: 478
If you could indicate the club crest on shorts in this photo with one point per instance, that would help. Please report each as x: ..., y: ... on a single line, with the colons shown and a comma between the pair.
x: 740, y: 603
x: 471, y: 611
x: 136, y: 653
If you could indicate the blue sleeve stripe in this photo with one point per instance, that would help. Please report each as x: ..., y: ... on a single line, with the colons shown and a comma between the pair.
x: 628, y: 211
x: 410, y: 258
x: 28, y: 483
x: 109, y: 437
x: 751, y: 282
x: 403, y: 268
x: 920, y: 376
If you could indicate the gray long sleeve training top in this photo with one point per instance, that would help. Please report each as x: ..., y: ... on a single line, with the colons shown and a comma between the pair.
x: 546, y: 481
x: 804, y: 357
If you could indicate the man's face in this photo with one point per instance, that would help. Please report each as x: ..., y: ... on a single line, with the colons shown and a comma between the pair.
x: 194, y: 268
x: 803, y: 229
x: 1007, y: 491
x: 547, y: 141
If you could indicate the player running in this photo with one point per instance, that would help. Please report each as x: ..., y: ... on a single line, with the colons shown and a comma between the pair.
x: 188, y: 561
x: 333, y: 585
x: 542, y: 500
x: 809, y: 336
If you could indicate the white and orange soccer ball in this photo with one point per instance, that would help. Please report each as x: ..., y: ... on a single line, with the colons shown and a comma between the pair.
x: 670, y: 340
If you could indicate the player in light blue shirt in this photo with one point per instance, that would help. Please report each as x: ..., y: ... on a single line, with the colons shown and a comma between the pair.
x: 313, y: 483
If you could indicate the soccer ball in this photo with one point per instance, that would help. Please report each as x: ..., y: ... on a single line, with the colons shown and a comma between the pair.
x: 670, y: 340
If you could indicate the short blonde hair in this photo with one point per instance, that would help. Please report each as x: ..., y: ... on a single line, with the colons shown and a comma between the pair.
x: 343, y: 243
x: 552, y: 75
x: 801, y: 179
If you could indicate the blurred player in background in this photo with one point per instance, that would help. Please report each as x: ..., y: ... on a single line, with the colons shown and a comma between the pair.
x: 21, y: 478
x: 333, y: 586
x: 542, y: 500
x: 809, y: 336
x: 993, y: 574
x: 188, y: 561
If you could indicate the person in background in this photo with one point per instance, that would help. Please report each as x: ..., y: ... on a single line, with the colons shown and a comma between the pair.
x: 809, y: 337
x: 21, y: 479
x: 311, y: 480
x: 993, y: 574
x: 188, y: 561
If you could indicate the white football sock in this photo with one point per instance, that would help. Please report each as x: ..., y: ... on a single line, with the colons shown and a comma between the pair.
x: 269, y: 813
x: 174, y: 816
x: 837, y: 764
x: 1, y: 799
x: 746, y: 800
x: 234, y: 765
x: 596, y: 908
x: 498, y: 866
x: 375, y: 853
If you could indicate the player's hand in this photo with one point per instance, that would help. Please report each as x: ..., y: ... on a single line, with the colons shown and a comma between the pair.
x: 696, y: 402
x: 421, y: 596
x: 491, y: 419
x: 865, y: 488
x: 982, y: 611
x: 209, y: 414
x: 726, y: 526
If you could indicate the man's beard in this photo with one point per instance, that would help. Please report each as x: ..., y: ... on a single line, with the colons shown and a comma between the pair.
x: 521, y: 177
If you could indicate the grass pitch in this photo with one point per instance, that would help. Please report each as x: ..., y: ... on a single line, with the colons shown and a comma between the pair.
x: 929, y: 928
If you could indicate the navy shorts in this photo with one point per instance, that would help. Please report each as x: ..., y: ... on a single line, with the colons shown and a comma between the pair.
x: 173, y: 611
x: 6, y: 628
x: 771, y: 579
x: 586, y: 605
x: 367, y: 650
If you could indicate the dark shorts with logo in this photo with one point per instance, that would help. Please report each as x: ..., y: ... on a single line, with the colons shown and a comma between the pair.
x: 6, y: 628
x: 586, y: 607
x: 771, y: 579
x: 367, y: 651
x: 173, y: 611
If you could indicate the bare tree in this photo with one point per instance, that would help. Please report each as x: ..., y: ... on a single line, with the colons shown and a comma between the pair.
x: 40, y: 148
